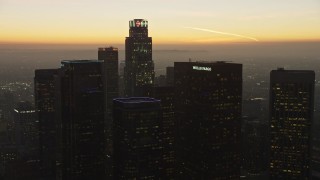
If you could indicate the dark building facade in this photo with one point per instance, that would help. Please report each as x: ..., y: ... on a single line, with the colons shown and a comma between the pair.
x: 208, y: 119
x: 137, y: 138
x: 44, y: 91
x: 291, y: 114
x: 139, y: 69
x: 166, y: 96
x: 80, y: 109
x: 109, y: 56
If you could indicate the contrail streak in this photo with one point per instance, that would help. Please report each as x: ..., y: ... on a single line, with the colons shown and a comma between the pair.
x: 224, y: 33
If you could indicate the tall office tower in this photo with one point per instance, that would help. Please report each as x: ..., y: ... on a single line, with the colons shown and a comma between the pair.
x: 109, y: 56
x: 166, y: 96
x: 45, y: 110
x: 26, y: 130
x: 208, y: 119
x: 139, y: 69
x: 110, y: 73
x: 80, y: 109
x: 137, y: 140
x: 291, y: 114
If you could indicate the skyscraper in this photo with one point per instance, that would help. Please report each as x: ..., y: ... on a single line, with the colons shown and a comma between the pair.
x: 80, y: 108
x: 137, y: 138
x: 109, y: 56
x: 208, y: 119
x: 139, y: 69
x: 166, y: 97
x: 44, y: 90
x: 291, y: 114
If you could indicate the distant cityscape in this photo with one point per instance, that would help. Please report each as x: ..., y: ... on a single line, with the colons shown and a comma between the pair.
x: 124, y: 119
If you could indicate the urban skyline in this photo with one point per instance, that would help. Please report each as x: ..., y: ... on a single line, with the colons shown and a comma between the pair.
x: 188, y: 123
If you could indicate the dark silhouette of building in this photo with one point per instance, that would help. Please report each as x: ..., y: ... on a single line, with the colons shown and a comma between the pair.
x: 137, y: 138
x: 166, y: 96
x: 139, y: 69
x: 44, y: 91
x: 109, y: 56
x: 208, y: 119
x: 80, y: 110
x: 291, y: 114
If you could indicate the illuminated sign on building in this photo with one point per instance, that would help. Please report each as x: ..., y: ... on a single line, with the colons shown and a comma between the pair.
x: 199, y: 68
x: 138, y: 23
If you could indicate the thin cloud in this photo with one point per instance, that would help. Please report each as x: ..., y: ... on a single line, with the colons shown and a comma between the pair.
x: 223, y: 33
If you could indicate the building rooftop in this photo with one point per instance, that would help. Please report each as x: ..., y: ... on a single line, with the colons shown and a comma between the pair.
x: 111, y: 48
x: 209, y: 63
x: 79, y: 61
x: 134, y: 100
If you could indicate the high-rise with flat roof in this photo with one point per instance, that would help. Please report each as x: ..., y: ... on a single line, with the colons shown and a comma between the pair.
x: 109, y: 56
x: 208, y: 119
x: 44, y: 91
x: 291, y: 114
x: 139, y: 69
x: 80, y: 118
x: 166, y: 97
x: 137, y: 138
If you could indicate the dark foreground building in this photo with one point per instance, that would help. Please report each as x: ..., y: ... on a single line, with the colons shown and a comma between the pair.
x: 80, y: 117
x: 208, y: 119
x: 109, y: 56
x: 291, y: 114
x: 44, y: 91
x: 166, y: 97
x: 139, y: 69
x: 137, y: 140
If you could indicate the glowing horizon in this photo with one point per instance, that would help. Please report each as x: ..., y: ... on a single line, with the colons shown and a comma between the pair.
x: 100, y: 22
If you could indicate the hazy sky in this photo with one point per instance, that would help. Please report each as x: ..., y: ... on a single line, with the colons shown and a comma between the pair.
x: 170, y: 21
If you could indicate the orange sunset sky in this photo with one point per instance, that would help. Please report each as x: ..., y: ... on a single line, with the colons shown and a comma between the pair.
x: 170, y: 21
